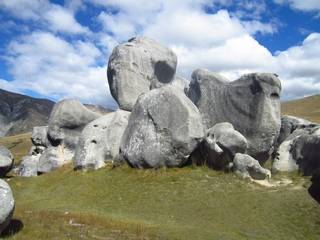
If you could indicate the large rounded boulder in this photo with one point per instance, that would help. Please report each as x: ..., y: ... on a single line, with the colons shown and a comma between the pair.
x: 219, y: 147
x: 100, y: 141
x: 6, y: 205
x: 6, y: 161
x: 164, y: 128
x: 137, y: 66
x: 251, y: 104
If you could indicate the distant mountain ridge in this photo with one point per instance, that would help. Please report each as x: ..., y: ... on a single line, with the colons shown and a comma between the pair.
x: 20, y: 113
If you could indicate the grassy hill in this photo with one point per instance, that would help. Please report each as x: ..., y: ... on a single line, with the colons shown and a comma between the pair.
x: 308, y: 108
x: 187, y: 203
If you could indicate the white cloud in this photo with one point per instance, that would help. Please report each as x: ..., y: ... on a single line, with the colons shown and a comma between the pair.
x: 53, y: 16
x: 49, y: 65
x: 304, y: 5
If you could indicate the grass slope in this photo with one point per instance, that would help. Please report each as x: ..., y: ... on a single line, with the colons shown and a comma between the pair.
x: 187, y: 203
x: 308, y: 108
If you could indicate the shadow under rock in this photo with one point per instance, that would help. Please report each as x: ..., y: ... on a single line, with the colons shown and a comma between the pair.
x: 13, y: 228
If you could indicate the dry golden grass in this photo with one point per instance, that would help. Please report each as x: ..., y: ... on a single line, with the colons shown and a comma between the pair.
x: 308, y: 108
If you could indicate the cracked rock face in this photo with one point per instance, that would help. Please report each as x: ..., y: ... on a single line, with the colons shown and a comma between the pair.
x: 164, y: 128
x: 136, y: 67
x: 6, y: 161
x: 6, y: 205
x: 219, y: 147
x: 251, y: 104
x: 100, y: 141
x: 246, y: 166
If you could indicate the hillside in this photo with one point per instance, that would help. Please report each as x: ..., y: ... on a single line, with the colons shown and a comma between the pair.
x: 308, y: 108
x: 20, y: 113
x: 181, y: 203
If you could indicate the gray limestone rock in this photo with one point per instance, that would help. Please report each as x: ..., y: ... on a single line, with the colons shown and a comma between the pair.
x: 6, y: 161
x: 53, y: 158
x: 246, y: 166
x: 181, y: 84
x: 164, y: 129
x: 67, y: 120
x: 100, y: 141
x: 6, y: 205
x: 137, y: 66
x: 39, y: 136
x: 251, y: 104
x: 28, y: 166
x: 219, y: 147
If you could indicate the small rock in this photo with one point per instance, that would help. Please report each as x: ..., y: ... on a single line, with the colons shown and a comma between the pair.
x: 6, y: 206
x: 6, y: 161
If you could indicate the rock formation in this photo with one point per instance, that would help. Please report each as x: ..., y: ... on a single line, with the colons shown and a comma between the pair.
x: 6, y: 206
x: 246, y: 166
x: 251, y: 104
x: 219, y: 147
x: 6, y: 161
x: 137, y: 66
x: 100, y: 141
x: 298, y: 142
x: 163, y: 130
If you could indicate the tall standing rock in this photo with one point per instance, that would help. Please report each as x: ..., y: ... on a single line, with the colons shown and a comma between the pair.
x: 6, y: 205
x: 163, y: 130
x: 6, y: 161
x: 137, y: 66
x: 251, y: 104
x: 100, y: 141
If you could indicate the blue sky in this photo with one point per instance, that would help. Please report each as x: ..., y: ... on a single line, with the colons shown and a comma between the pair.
x: 59, y: 49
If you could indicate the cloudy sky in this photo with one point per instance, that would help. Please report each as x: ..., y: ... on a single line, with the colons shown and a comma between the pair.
x: 58, y: 49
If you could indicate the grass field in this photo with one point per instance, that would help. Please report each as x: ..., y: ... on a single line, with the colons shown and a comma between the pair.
x: 186, y: 203
x: 308, y: 108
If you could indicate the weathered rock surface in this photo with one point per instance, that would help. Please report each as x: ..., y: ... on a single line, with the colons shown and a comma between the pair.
x: 53, y: 158
x: 219, y: 147
x: 137, y: 66
x: 100, y: 141
x: 251, y: 104
x: 181, y: 84
x: 6, y: 161
x: 246, y: 166
x: 298, y: 143
x: 6, y: 205
x: 28, y: 166
x: 39, y: 136
x: 164, y: 129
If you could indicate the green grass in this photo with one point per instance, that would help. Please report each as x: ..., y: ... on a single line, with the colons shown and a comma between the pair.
x: 187, y: 203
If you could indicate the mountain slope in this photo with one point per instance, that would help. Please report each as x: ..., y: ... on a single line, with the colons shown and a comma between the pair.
x: 308, y: 108
x: 20, y: 113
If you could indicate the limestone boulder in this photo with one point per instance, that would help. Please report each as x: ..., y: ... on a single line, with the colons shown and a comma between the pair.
x: 6, y: 161
x: 251, y: 104
x: 67, y: 120
x: 163, y: 130
x: 100, y: 141
x: 137, y: 66
x: 219, y: 147
x: 246, y: 166
x: 39, y: 136
x: 28, y: 166
x: 6, y: 206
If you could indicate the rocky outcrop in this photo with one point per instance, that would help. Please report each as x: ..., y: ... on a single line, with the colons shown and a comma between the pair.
x: 219, y: 147
x: 6, y: 206
x: 164, y: 129
x: 100, y: 141
x: 6, y: 161
x: 251, y: 104
x: 298, y: 142
x: 137, y: 66
x: 246, y: 166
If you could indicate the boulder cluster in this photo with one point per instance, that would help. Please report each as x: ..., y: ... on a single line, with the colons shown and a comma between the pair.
x: 167, y: 121
x: 164, y: 120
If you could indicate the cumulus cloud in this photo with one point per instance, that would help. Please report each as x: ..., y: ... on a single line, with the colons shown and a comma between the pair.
x: 51, y: 66
x: 200, y: 34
